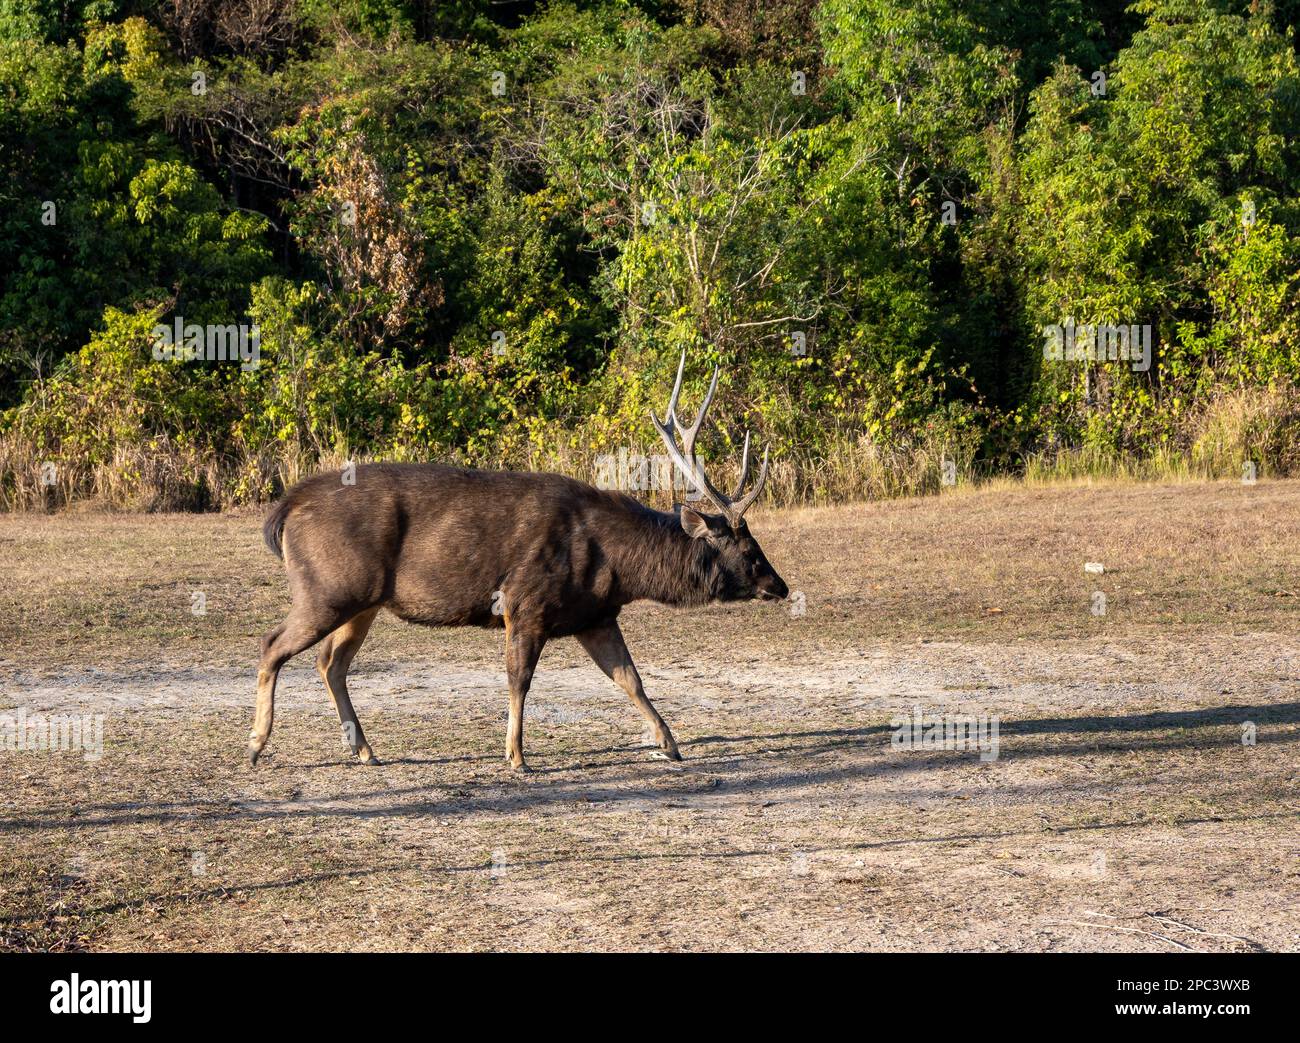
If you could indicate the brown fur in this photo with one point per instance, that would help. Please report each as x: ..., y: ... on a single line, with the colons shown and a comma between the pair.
x: 540, y: 554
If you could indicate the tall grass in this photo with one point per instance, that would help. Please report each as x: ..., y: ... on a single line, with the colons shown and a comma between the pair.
x: 1259, y: 427
x: 170, y: 478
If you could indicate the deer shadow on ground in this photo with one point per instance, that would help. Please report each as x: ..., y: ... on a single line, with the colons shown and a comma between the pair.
x: 714, y: 771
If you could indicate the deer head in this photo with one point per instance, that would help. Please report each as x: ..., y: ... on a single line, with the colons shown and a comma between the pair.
x: 744, y: 571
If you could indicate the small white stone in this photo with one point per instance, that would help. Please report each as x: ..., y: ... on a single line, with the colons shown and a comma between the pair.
x: 1094, y: 566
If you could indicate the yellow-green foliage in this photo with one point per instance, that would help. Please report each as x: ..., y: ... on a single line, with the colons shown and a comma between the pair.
x: 472, y: 235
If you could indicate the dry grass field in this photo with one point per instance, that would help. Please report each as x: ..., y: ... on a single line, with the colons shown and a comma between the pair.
x: 1123, y: 811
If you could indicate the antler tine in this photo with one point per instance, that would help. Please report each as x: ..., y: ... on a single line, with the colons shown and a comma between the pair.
x: 670, y: 425
x: 671, y: 416
x: 666, y: 433
x: 720, y: 499
x: 743, y: 505
x: 685, y: 457
x: 744, y: 469
x: 688, y: 436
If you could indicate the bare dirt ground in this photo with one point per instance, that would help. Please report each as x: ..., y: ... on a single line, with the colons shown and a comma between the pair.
x: 1123, y: 811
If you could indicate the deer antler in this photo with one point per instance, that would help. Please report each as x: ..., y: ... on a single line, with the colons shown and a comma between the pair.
x: 732, y: 507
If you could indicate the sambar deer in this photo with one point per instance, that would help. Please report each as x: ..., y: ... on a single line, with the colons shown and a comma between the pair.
x: 540, y: 554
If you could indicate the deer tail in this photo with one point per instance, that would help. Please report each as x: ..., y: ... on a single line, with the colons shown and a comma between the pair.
x: 273, y: 527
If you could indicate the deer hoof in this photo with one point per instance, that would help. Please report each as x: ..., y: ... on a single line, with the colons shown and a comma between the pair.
x: 368, y: 758
x: 668, y: 750
x: 254, y: 752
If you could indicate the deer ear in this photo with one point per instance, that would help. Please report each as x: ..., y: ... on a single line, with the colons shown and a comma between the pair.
x: 694, y: 524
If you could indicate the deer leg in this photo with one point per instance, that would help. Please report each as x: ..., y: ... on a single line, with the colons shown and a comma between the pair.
x: 523, y: 648
x: 606, y: 646
x: 296, y: 633
x: 335, y: 658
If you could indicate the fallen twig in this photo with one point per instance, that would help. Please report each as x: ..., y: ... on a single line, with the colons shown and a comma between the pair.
x: 1126, y: 930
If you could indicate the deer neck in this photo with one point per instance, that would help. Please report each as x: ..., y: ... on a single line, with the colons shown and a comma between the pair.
x: 662, y: 563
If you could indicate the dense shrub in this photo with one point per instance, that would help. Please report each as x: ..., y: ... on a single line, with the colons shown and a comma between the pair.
x: 482, y: 235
